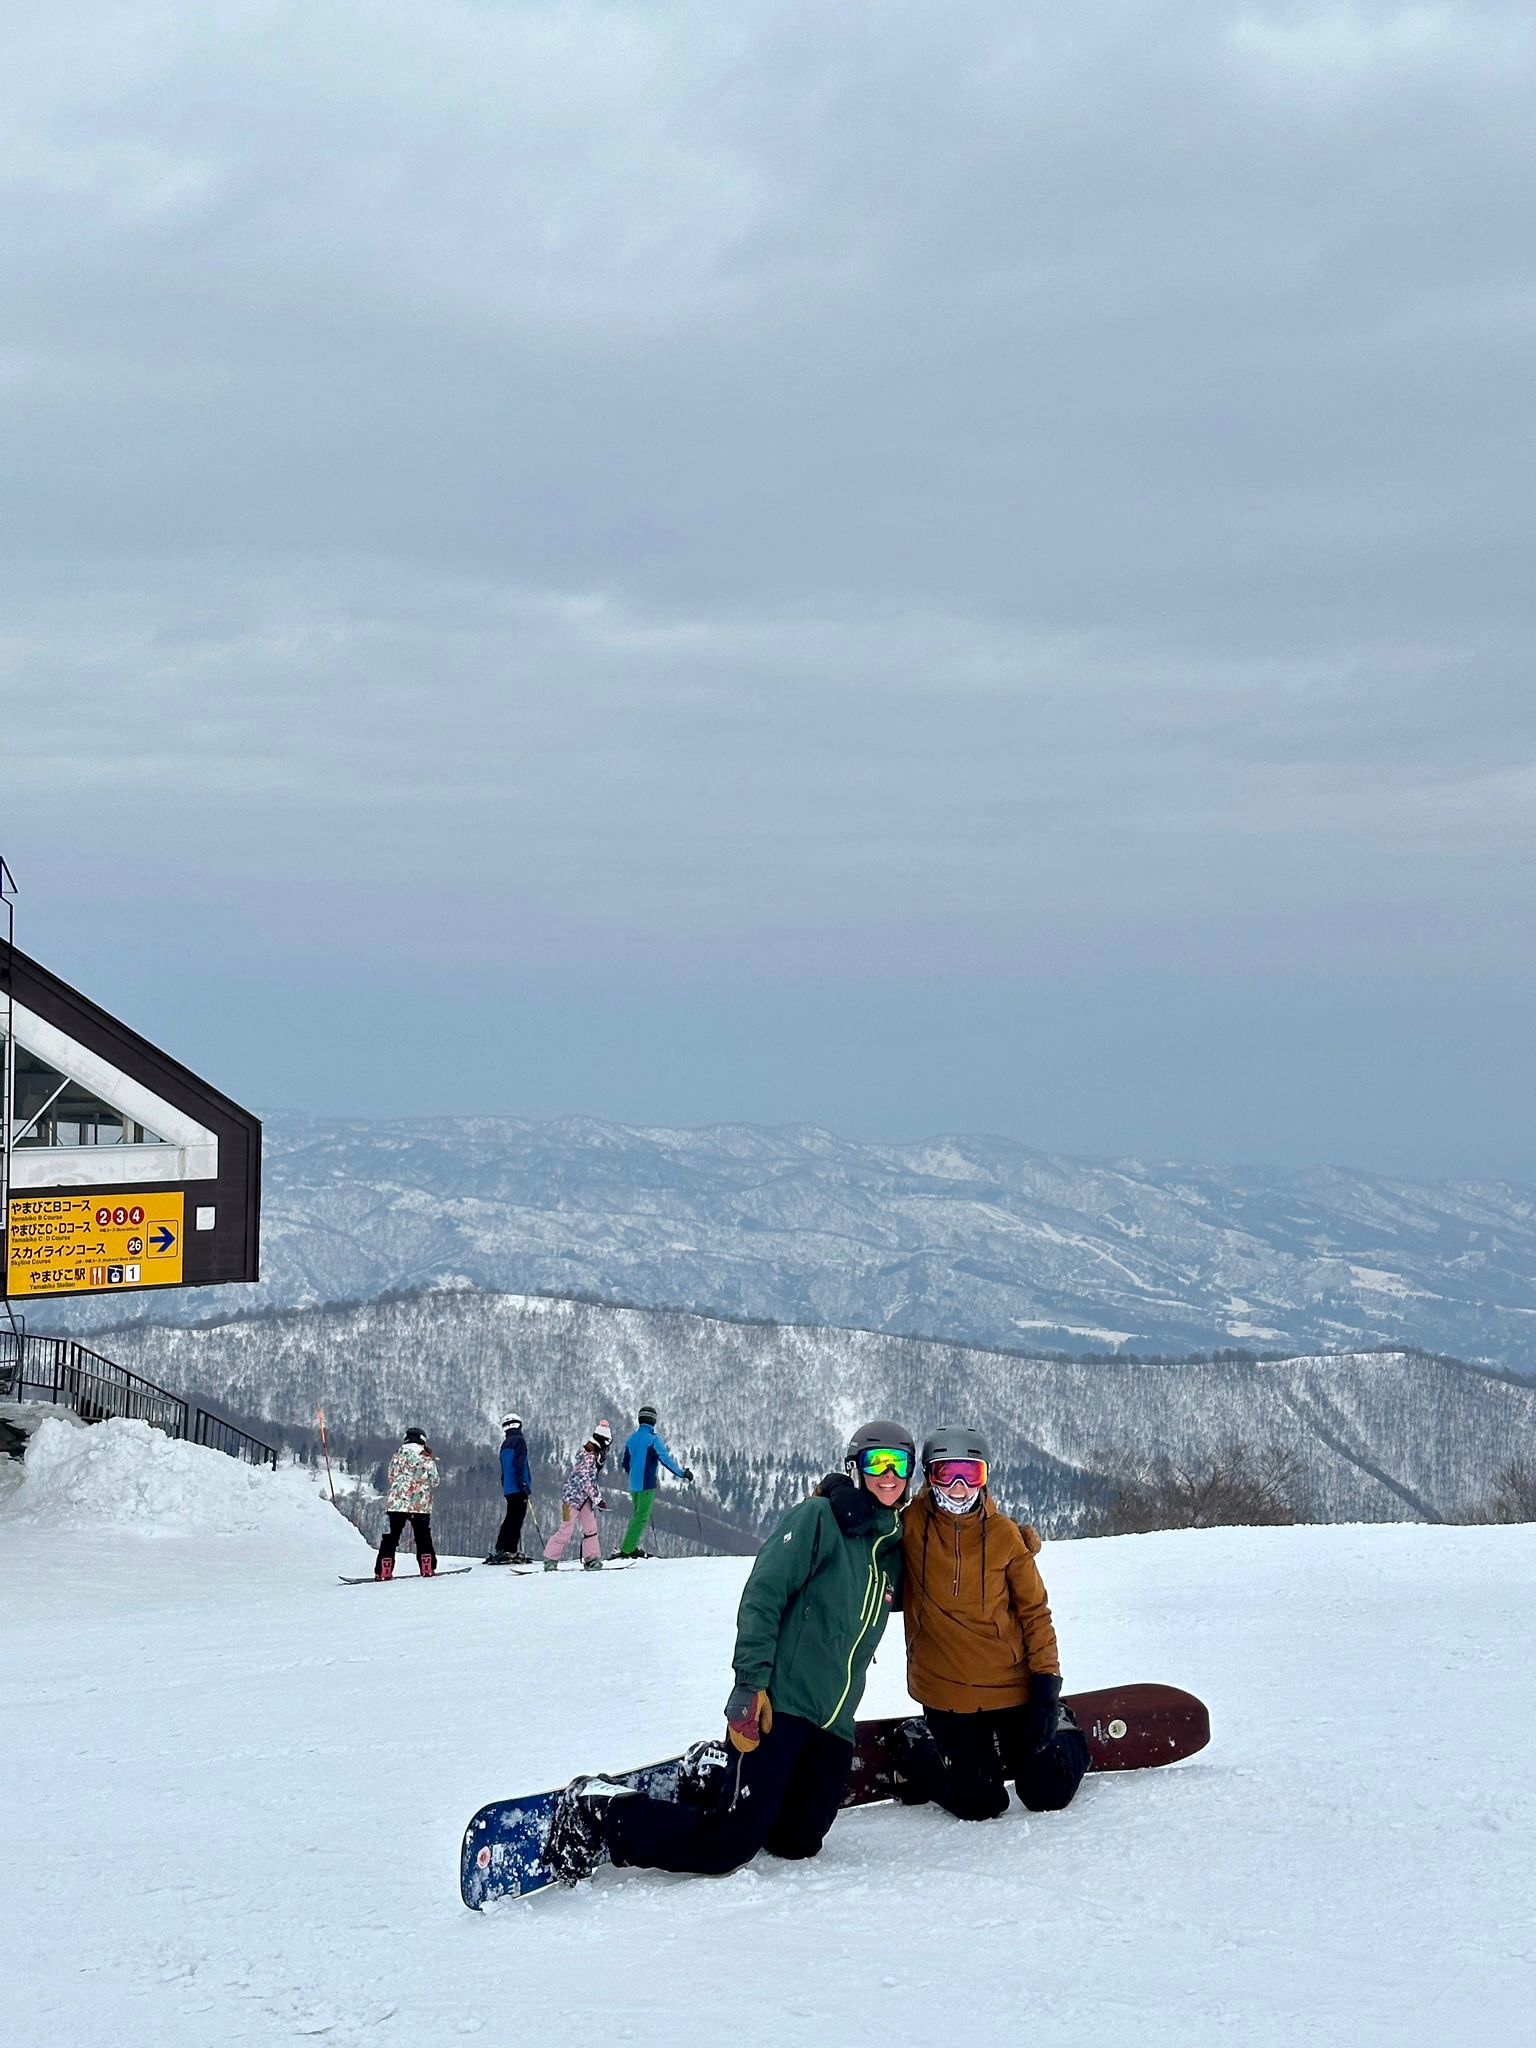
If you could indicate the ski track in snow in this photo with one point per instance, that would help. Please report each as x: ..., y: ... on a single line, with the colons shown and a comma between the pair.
x: 236, y: 1790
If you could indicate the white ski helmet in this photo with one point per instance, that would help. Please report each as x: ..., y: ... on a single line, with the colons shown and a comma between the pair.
x: 511, y: 1422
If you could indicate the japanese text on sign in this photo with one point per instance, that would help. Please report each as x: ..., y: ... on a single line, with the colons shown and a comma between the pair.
x: 94, y: 1242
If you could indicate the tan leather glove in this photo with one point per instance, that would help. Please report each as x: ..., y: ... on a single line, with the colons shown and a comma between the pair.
x: 748, y: 1717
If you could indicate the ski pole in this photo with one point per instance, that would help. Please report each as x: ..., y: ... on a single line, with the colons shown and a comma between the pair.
x: 698, y: 1523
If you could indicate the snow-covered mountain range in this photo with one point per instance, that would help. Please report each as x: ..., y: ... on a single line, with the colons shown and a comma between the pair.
x: 975, y: 1239
x: 758, y: 1410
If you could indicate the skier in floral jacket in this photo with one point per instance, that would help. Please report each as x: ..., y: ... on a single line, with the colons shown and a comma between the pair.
x: 582, y: 1495
x: 413, y: 1477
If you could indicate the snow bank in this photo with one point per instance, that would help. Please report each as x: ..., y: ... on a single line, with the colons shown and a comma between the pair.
x: 127, y: 1476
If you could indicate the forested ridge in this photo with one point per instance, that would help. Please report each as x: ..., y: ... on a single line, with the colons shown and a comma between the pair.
x: 760, y: 1409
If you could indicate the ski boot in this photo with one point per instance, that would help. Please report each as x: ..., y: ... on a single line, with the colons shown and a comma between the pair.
x: 551, y: 1564
x: 591, y: 1564
x: 574, y: 1846
x: 517, y: 1557
x: 426, y: 1564
x: 384, y: 1568
x: 502, y: 1557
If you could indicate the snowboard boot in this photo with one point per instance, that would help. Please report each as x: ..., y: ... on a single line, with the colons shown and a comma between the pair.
x: 591, y: 1564
x: 426, y: 1564
x: 915, y: 1760
x: 384, y: 1568
x: 551, y: 1564
x: 574, y: 1846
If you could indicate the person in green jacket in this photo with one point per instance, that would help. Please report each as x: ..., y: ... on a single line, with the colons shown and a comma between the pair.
x: 812, y: 1612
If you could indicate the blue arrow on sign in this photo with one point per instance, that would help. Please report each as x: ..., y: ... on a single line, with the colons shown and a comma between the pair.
x: 162, y: 1239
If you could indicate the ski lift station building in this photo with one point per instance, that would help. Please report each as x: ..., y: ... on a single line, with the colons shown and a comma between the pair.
x: 120, y: 1169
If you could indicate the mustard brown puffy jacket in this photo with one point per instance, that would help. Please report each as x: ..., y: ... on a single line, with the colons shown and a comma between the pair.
x: 978, y: 1621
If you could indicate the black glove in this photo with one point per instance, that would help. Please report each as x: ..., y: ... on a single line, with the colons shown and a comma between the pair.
x: 687, y: 1475
x: 1040, y: 1715
x: 857, y: 1512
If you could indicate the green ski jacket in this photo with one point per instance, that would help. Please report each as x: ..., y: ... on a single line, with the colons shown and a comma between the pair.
x: 813, y: 1610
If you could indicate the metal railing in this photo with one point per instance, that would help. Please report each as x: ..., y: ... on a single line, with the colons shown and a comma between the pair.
x: 60, y: 1370
x: 220, y: 1435
x: 57, y: 1369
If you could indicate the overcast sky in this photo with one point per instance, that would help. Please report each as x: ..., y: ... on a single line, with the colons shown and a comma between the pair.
x: 911, y: 566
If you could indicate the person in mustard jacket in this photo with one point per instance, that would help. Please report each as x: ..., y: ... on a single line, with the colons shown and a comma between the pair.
x: 981, y: 1648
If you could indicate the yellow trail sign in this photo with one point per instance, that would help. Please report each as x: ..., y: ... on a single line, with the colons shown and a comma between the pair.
x: 94, y: 1241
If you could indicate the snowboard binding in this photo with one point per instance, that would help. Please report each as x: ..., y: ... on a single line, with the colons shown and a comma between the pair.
x: 703, y: 1777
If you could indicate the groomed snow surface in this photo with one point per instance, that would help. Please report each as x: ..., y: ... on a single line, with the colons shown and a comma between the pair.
x: 234, y: 1792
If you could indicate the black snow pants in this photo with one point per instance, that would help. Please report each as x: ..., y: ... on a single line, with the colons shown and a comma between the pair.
x: 510, y: 1535
x: 974, y: 1755
x: 782, y: 1796
x: 421, y: 1531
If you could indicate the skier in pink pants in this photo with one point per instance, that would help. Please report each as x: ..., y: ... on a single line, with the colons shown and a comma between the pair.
x: 584, y: 1499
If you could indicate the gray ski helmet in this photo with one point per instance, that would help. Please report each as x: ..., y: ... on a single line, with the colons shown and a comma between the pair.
x: 955, y: 1440
x: 877, y: 1436
x: 648, y: 1413
x: 511, y: 1422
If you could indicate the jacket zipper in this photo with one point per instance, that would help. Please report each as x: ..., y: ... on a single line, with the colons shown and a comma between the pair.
x: 868, y: 1609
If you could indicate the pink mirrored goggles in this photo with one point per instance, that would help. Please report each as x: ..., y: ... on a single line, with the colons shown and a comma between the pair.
x: 943, y: 1472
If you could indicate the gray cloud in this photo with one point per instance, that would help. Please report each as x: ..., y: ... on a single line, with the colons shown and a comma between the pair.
x: 868, y: 492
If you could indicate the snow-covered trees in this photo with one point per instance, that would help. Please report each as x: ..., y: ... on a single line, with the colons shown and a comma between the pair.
x: 759, y: 1410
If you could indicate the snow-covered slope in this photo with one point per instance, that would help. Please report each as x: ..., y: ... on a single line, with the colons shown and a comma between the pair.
x: 753, y: 1407
x: 235, y: 1790
x: 977, y: 1239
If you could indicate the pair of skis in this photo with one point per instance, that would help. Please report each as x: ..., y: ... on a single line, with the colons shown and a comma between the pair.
x: 1128, y: 1728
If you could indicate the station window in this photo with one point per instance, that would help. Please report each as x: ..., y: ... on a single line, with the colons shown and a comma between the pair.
x: 50, y: 1109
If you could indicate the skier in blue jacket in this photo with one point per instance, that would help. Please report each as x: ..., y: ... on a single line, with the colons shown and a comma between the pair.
x: 643, y: 1455
x: 516, y: 1486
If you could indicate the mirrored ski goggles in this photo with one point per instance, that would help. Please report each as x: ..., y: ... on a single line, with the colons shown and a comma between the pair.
x: 943, y: 1472
x: 874, y: 1464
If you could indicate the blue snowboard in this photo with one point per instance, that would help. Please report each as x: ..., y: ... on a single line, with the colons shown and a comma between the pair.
x: 500, y: 1856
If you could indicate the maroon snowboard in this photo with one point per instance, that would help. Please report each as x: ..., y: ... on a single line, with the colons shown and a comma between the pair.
x: 1129, y: 1728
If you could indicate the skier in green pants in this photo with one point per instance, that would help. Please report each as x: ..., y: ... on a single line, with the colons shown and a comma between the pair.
x: 643, y: 1455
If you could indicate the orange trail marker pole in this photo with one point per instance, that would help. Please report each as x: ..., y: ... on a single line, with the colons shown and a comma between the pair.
x: 320, y: 1412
